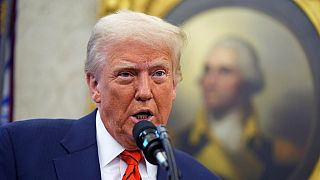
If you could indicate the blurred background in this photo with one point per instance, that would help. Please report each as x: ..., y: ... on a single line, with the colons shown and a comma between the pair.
x: 43, y: 49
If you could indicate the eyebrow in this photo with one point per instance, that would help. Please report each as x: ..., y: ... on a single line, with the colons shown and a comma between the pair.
x: 125, y: 64
x: 160, y: 63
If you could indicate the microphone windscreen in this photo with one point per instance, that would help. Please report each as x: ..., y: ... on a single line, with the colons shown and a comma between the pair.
x: 141, y: 126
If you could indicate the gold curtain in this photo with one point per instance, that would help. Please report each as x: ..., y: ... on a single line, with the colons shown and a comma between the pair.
x: 152, y: 7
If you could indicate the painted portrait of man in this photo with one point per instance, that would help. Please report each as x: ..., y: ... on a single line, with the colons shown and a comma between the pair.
x: 246, y: 104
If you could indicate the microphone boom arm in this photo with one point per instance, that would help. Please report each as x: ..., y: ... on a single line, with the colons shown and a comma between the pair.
x: 165, y: 140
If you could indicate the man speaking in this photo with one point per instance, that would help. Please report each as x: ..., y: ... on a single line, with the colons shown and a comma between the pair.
x: 132, y: 71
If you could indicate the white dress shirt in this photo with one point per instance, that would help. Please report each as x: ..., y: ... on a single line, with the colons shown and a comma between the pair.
x: 229, y: 131
x: 111, y: 166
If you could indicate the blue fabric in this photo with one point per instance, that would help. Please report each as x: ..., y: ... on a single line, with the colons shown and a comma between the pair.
x: 62, y: 149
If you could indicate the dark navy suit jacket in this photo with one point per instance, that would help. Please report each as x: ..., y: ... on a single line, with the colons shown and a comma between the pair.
x: 62, y: 149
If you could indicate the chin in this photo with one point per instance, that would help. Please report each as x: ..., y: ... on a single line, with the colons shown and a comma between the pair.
x: 129, y: 144
x: 212, y: 106
x: 131, y: 147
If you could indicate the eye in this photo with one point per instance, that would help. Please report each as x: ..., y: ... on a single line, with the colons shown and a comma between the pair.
x: 159, y: 76
x: 124, y: 74
x: 225, y: 71
x: 206, y: 69
x: 159, y: 73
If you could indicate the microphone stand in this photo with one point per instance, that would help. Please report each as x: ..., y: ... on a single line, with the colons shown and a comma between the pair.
x: 173, y: 173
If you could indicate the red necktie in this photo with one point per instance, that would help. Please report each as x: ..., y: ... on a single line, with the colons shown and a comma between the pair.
x: 132, y: 158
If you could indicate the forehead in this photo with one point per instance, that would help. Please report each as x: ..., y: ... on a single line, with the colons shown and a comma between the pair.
x: 222, y: 56
x: 137, y: 52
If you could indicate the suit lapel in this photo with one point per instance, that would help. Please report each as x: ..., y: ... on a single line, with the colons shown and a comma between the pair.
x: 81, y: 161
x: 161, y: 173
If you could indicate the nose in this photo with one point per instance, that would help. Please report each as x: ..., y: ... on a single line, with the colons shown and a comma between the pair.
x: 210, y: 79
x: 143, y: 92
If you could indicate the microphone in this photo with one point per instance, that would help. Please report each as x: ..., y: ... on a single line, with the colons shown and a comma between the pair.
x: 147, y: 139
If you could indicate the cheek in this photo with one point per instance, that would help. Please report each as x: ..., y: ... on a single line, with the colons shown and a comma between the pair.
x: 115, y: 96
x: 210, y: 84
x: 164, y: 98
x: 232, y: 85
x: 205, y: 82
x: 115, y: 101
x: 165, y: 111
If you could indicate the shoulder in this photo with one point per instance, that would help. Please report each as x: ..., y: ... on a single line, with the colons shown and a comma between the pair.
x: 39, y: 128
x: 191, y: 168
x: 36, y: 136
x: 33, y: 124
x: 194, y: 147
x: 30, y: 145
x: 29, y: 123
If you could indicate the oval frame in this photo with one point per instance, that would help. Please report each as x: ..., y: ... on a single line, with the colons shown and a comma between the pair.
x: 300, y: 26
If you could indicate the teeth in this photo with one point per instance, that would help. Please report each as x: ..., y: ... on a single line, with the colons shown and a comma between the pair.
x: 142, y: 116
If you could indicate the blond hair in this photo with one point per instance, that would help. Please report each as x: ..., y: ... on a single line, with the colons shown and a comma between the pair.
x: 125, y: 25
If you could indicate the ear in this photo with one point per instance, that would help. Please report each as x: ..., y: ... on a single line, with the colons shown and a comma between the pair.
x: 94, y: 89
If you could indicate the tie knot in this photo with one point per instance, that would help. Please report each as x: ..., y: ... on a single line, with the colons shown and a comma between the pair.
x: 131, y: 157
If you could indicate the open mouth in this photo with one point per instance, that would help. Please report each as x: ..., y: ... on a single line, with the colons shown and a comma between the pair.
x: 144, y: 115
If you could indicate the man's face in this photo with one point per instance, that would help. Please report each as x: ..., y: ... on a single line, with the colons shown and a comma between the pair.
x: 221, y: 79
x: 136, y: 83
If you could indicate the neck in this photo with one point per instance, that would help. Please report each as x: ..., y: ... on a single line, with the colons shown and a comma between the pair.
x: 239, y: 109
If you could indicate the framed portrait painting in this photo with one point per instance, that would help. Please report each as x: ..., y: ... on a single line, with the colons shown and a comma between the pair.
x: 247, y: 107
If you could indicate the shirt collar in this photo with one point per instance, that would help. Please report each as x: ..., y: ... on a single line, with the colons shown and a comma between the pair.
x: 105, y: 141
x: 108, y: 147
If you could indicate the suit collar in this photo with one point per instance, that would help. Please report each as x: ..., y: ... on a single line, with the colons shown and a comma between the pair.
x: 161, y: 173
x: 82, y: 134
x: 81, y: 160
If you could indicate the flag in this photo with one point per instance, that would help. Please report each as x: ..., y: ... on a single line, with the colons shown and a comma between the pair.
x: 7, y: 38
